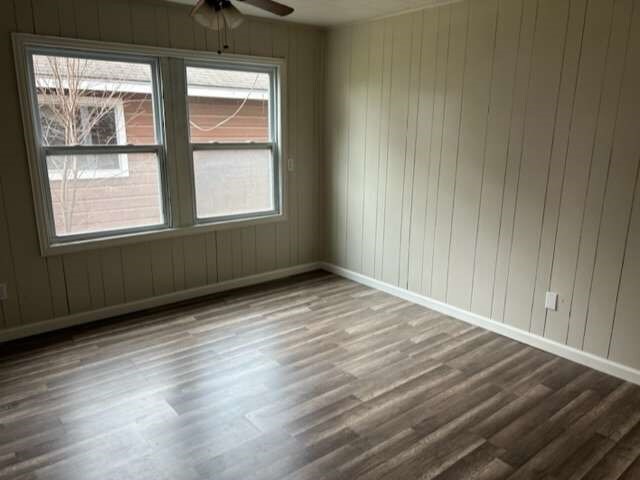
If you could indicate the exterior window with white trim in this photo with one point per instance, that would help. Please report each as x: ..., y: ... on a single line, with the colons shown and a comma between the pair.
x: 234, y: 140
x: 111, y: 124
x: 98, y: 143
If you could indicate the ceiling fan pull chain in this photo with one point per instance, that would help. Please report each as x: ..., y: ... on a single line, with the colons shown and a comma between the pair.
x: 219, y: 35
x: 226, y: 36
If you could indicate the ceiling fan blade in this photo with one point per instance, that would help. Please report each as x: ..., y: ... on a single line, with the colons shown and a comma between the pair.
x: 270, y: 6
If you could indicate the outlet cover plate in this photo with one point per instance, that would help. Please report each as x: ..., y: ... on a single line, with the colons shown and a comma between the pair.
x: 551, y: 301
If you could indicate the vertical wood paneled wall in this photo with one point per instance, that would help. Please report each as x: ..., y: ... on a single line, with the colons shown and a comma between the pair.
x: 44, y: 288
x: 484, y: 152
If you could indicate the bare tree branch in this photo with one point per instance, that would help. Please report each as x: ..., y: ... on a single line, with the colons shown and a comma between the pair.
x: 71, y: 112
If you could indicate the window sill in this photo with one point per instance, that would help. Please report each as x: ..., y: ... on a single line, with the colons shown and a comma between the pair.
x: 117, y: 240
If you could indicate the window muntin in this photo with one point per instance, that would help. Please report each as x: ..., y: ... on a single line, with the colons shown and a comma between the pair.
x: 94, y: 115
x: 233, y: 136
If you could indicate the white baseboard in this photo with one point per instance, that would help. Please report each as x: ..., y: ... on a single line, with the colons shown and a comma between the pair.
x: 597, y: 363
x: 121, y: 309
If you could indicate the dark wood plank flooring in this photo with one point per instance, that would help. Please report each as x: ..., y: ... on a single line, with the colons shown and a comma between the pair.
x: 313, y: 377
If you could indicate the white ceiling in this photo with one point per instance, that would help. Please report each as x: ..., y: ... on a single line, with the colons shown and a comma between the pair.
x: 335, y: 12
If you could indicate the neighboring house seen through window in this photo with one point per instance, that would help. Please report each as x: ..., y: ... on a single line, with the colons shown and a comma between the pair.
x: 100, y: 180
x: 232, y: 143
x: 108, y: 129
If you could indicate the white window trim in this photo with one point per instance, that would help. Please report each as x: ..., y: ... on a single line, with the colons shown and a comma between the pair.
x: 272, y: 144
x: 121, y: 135
x: 174, y: 151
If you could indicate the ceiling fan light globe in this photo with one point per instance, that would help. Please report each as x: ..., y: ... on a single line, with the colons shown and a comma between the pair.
x: 232, y: 16
x: 209, y: 18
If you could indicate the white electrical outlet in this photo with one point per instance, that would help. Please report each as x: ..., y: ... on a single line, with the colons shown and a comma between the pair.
x: 3, y: 291
x: 551, y: 301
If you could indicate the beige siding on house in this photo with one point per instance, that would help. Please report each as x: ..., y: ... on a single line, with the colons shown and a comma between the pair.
x: 525, y: 173
x: 42, y: 289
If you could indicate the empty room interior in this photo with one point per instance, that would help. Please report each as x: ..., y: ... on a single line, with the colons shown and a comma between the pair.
x: 320, y: 240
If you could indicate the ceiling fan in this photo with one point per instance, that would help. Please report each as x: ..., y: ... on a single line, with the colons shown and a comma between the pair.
x: 222, y: 14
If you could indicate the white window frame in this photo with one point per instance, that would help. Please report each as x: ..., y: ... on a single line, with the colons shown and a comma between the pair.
x: 173, y: 149
x: 121, y: 135
x: 49, y: 237
x: 272, y: 144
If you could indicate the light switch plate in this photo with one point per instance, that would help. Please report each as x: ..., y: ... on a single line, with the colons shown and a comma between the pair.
x: 291, y: 165
x: 551, y: 301
x: 3, y: 291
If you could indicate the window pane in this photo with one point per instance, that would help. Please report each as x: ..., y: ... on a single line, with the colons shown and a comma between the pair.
x: 233, y: 182
x: 87, y: 164
x: 84, y: 101
x: 227, y: 105
x: 95, y: 193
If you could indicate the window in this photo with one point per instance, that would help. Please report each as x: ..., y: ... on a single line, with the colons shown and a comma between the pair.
x: 109, y: 129
x: 126, y: 142
x: 99, y: 180
x: 233, y: 139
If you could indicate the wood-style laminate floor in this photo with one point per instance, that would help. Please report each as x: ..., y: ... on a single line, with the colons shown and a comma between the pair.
x: 314, y: 377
